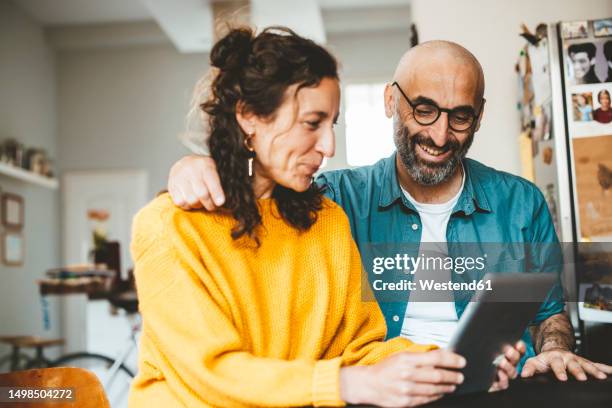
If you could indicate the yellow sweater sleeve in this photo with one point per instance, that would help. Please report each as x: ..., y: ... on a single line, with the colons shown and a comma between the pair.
x: 199, y: 351
x: 364, y: 328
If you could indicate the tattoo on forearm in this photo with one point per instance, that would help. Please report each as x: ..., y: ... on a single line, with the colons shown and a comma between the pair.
x: 553, y: 333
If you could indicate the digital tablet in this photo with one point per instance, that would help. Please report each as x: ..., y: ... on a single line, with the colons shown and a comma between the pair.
x: 496, y: 318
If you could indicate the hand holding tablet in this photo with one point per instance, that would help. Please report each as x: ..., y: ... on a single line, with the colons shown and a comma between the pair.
x: 491, y: 323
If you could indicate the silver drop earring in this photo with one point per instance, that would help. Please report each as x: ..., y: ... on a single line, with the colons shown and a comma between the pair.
x: 251, y: 151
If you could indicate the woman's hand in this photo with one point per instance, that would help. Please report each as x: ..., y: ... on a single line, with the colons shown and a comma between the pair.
x: 403, y: 379
x: 194, y: 183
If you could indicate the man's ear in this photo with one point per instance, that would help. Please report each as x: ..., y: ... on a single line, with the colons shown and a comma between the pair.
x: 480, y: 115
x: 389, y: 101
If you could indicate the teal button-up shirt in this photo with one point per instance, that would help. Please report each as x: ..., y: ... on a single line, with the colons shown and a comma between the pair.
x: 494, y: 207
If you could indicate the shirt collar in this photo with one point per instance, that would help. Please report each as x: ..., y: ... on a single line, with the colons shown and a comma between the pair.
x: 390, y: 189
x: 472, y: 197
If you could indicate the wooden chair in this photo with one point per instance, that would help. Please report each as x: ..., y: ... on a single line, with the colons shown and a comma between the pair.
x: 88, y: 391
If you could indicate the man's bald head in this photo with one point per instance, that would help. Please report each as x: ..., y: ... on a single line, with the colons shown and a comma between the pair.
x: 448, y: 63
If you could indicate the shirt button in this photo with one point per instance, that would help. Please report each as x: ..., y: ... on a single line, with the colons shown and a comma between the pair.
x: 396, y: 318
x: 415, y: 227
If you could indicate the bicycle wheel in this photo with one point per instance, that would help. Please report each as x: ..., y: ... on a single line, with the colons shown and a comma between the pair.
x: 116, y: 388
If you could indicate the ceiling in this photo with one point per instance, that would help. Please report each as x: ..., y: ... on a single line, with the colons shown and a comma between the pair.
x: 64, y: 12
x: 189, y: 24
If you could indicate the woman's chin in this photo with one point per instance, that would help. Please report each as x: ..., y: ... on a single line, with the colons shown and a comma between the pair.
x: 298, y: 184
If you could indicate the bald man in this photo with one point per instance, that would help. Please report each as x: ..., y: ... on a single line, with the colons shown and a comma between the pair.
x: 428, y: 193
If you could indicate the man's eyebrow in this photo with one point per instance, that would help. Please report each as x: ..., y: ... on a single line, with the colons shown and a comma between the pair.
x: 424, y: 99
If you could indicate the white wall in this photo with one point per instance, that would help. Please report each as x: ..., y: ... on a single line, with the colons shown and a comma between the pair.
x: 490, y: 29
x: 27, y: 113
x: 124, y: 107
x: 364, y: 58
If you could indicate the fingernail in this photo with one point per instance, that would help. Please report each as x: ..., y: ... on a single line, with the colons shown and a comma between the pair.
x: 602, y: 376
x: 452, y: 388
x: 462, y: 362
x: 460, y: 378
x: 219, y: 200
x: 563, y: 377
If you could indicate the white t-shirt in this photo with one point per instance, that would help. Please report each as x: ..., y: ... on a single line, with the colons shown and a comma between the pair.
x: 429, y: 322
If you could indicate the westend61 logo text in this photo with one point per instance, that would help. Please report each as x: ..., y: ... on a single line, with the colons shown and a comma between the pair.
x: 410, y: 264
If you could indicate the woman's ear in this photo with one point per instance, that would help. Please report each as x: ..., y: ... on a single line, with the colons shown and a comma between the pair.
x: 246, y: 120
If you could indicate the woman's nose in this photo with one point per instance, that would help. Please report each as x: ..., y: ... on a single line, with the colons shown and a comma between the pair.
x: 326, y: 144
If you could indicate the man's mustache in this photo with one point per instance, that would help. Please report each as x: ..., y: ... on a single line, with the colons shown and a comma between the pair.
x: 451, y: 144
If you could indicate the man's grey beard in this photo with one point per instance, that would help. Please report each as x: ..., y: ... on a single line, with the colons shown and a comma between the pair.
x: 425, y: 173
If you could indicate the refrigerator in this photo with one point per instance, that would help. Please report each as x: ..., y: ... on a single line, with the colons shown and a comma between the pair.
x: 565, y: 83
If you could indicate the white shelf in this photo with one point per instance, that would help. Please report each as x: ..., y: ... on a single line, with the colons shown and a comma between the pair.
x: 28, y: 176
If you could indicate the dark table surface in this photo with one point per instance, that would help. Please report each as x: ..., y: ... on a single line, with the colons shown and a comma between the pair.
x: 541, y: 391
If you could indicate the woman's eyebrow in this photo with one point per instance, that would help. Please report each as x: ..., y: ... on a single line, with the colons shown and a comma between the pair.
x: 321, y: 114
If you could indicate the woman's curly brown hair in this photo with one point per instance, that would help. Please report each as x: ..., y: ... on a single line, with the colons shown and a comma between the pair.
x: 254, y: 72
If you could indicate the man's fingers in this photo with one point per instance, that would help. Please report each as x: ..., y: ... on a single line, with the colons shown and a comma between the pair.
x: 434, y: 376
x: 201, y: 197
x: 211, y: 180
x: 528, y: 368
x: 558, y: 367
x: 592, y: 369
x: 176, y: 195
x: 604, y: 367
x: 436, y: 358
x: 182, y: 197
x: 576, y: 370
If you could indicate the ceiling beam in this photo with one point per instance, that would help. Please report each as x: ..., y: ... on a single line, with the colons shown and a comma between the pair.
x: 188, y: 23
x: 303, y: 17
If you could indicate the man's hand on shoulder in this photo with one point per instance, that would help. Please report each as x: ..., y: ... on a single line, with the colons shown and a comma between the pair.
x: 194, y: 183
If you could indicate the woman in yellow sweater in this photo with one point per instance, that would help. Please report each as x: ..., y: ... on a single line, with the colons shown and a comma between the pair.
x: 259, y: 304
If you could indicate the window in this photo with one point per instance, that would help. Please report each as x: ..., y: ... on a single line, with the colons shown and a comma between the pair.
x: 369, y: 133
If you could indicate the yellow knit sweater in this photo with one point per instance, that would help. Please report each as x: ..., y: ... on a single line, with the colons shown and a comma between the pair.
x: 227, y: 324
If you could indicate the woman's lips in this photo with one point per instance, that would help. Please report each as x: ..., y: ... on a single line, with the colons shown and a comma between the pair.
x: 311, y: 168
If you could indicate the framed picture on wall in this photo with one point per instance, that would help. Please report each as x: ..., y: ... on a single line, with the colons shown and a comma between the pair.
x: 12, y: 211
x: 574, y: 29
x: 12, y: 248
x: 602, y: 28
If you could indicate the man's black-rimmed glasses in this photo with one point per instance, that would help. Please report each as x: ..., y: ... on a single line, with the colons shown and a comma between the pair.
x: 426, y: 113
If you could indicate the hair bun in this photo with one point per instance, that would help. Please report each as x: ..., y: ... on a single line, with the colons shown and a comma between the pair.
x: 232, y: 51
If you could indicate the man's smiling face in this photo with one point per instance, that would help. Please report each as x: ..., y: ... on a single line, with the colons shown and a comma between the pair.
x: 448, y: 78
